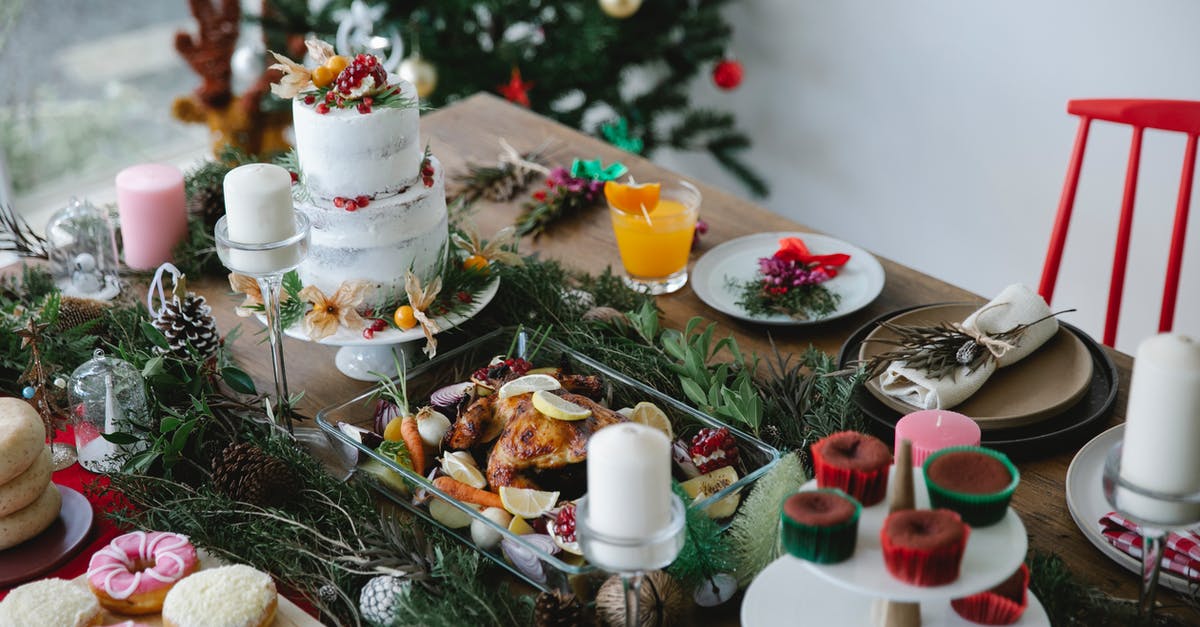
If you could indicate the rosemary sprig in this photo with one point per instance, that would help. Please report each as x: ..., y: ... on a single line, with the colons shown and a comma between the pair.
x: 939, y: 350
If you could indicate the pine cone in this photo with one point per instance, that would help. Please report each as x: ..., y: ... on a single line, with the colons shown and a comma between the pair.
x: 207, y: 203
x: 188, y: 321
x: 246, y: 473
x: 73, y: 311
x: 560, y: 609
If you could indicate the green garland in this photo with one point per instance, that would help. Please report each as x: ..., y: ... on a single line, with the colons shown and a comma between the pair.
x: 200, y: 406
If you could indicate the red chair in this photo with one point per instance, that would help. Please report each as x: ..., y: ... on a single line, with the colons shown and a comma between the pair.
x: 1181, y: 116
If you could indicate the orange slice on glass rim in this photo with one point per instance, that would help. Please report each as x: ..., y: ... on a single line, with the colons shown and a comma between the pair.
x: 631, y: 197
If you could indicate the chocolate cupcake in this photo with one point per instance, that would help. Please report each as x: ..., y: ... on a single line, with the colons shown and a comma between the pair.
x: 976, y: 482
x: 1002, y: 605
x: 924, y: 547
x: 820, y: 525
x: 855, y: 463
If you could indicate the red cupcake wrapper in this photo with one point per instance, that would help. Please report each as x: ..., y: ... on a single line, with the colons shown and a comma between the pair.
x: 923, y: 567
x: 990, y: 608
x: 868, y: 487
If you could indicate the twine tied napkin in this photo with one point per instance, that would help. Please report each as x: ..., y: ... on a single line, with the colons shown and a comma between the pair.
x: 1182, y: 553
x: 1015, y: 305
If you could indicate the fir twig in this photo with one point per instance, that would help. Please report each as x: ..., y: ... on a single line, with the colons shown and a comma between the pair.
x: 18, y: 237
x: 500, y: 182
x: 805, y: 302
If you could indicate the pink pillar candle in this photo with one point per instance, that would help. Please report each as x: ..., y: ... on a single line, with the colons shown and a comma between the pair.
x: 931, y: 430
x: 153, y: 211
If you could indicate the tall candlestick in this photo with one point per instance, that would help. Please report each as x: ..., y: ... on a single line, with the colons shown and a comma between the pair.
x: 629, y: 481
x: 258, y: 210
x: 153, y: 213
x: 1162, y: 430
x: 931, y: 430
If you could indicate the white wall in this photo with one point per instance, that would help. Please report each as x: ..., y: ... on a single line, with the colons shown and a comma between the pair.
x: 934, y: 132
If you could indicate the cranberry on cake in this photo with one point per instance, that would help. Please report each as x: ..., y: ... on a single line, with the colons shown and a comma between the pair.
x: 854, y: 462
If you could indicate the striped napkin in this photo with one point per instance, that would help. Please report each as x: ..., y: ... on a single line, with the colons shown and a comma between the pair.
x: 1182, y: 554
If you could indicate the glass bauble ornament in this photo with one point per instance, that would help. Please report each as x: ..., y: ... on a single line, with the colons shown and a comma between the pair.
x: 107, y: 395
x: 83, y: 251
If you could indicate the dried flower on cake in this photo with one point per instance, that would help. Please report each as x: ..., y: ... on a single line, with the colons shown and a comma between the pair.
x: 420, y: 299
x: 296, y: 78
x: 328, y: 314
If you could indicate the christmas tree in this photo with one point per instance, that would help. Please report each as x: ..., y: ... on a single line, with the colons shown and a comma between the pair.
x: 619, y: 69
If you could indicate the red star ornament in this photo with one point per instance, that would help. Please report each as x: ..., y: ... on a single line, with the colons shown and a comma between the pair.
x: 516, y: 90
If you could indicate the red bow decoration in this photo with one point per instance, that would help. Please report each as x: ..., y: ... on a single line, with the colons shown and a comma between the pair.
x: 793, y: 249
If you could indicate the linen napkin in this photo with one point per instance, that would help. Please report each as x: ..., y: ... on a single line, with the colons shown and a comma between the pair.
x: 914, y: 387
x: 1015, y: 305
x: 1182, y: 554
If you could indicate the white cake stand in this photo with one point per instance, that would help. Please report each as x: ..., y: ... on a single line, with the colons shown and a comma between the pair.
x: 358, y: 356
x: 845, y: 593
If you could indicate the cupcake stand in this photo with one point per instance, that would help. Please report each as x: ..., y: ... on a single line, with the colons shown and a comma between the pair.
x: 854, y: 592
x: 359, y: 357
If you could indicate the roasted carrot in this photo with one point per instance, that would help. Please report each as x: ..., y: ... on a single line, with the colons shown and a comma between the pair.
x: 412, y: 440
x: 466, y: 493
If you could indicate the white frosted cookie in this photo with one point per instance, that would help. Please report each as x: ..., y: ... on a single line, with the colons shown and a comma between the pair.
x: 229, y: 596
x: 31, y: 520
x: 22, y: 437
x: 55, y: 602
x: 27, y: 486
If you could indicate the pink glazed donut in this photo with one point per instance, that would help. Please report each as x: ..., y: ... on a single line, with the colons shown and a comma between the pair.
x: 134, y: 572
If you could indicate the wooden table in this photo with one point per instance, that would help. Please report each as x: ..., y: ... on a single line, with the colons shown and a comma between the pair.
x: 469, y: 130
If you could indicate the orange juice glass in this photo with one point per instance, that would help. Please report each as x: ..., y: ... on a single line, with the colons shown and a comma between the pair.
x: 654, y: 245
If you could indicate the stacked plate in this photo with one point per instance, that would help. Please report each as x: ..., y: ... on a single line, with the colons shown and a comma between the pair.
x: 1060, y: 393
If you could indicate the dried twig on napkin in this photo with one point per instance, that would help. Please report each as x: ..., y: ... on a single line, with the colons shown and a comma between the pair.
x: 939, y: 350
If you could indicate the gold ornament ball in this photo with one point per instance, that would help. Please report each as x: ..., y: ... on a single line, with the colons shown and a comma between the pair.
x: 420, y: 73
x: 620, y: 9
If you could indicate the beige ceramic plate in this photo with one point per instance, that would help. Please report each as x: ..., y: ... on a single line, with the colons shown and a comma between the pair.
x: 1033, y: 389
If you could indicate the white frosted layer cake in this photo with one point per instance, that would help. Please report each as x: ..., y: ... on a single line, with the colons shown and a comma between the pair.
x: 379, y: 242
x: 346, y: 156
x: 347, y: 153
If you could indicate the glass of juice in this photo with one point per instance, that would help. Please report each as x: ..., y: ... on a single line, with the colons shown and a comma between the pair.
x: 655, y: 243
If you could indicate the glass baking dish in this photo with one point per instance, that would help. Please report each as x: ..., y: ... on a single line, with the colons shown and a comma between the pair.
x: 755, y: 456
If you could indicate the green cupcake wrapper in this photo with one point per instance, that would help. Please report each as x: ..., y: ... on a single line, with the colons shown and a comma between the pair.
x: 822, y: 545
x: 977, y: 510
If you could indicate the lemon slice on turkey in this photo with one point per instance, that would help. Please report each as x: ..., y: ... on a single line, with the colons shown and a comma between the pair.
x: 528, y: 383
x: 527, y: 503
x: 558, y: 407
x: 650, y: 415
x: 519, y: 526
x: 461, y: 466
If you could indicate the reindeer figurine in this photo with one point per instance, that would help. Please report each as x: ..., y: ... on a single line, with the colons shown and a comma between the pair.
x: 236, y: 121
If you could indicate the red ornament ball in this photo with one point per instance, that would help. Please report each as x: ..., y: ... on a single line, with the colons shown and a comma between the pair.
x: 727, y: 74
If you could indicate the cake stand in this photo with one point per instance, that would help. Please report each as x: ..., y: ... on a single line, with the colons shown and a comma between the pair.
x: 359, y: 357
x: 842, y: 594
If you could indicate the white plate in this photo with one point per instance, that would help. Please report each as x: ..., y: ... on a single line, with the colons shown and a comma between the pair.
x: 858, y: 282
x: 1087, y: 504
x: 993, y: 554
x: 347, y: 337
x: 787, y: 593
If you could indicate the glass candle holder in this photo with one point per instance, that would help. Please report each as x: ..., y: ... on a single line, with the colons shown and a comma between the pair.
x: 107, y: 395
x: 83, y: 251
x: 1156, y: 514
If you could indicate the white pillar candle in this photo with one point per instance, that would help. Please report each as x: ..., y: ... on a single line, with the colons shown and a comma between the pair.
x: 258, y: 210
x: 629, y: 489
x: 1162, y: 429
x: 629, y: 481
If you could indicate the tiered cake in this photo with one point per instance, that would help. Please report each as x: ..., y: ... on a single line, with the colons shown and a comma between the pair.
x: 375, y: 199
